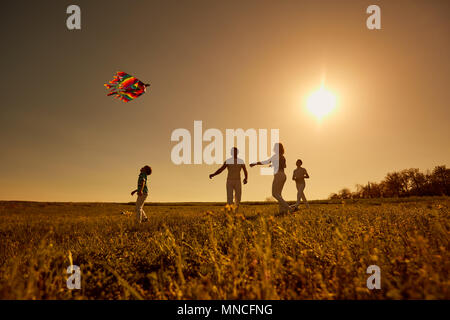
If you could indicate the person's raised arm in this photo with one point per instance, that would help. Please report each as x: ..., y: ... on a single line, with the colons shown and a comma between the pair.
x: 133, y: 192
x: 259, y: 163
x: 219, y: 171
x: 245, y: 173
x: 306, y: 174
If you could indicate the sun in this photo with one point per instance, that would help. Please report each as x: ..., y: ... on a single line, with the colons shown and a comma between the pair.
x: 321, y: 102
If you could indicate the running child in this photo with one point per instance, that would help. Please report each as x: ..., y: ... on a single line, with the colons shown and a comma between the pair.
x: 299, y: 176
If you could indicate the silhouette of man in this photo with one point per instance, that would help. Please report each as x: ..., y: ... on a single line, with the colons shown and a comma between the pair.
x: 234, y: 166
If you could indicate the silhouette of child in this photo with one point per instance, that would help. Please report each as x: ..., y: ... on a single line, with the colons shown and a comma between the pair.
x: 142, y: 192
x: 299, y: 176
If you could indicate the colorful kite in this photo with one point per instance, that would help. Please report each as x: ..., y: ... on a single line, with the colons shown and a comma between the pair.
x: 125, y: 87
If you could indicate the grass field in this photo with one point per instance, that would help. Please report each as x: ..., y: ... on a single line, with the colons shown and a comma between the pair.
x: 203, y: 252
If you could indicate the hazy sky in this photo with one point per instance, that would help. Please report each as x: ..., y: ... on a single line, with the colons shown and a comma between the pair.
x: 231, y: 64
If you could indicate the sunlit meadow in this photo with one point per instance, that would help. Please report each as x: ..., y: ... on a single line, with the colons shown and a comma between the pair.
x: 205, y: 252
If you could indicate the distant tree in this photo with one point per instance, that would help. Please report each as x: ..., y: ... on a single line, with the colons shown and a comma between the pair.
x: 345, y: 194
x: 417, y: 181
x: 374, y: 190
x: 405, y: 182
x: 440, y: 179
x: 408, y: 182
x: 370, y: 190
x: 394, y: 184
x: 333, y: 196
x: 361, y: 192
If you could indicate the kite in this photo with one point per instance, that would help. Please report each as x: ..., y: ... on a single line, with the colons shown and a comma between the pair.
x: 125, y: 87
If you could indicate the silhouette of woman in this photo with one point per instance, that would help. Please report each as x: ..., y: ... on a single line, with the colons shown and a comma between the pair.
x: 278, y: 162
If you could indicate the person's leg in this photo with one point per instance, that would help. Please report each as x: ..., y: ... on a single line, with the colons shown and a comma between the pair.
x: 277, y: 187
x: 302, y: 195
x: 139, y: 204
x: 237, y: 193
x: 285, y: 205
x: 139, y: 207
x: 299, y: 195
x: 300, y: 187
x: 144, y: 216
x: 229, y: 192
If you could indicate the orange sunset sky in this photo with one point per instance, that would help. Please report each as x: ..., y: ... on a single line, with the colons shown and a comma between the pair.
x: 231, y: 64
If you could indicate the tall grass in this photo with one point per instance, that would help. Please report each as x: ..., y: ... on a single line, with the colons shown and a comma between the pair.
x: 207, y: 252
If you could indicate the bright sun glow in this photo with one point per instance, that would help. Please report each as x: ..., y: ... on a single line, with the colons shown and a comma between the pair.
x: 321, y: 102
